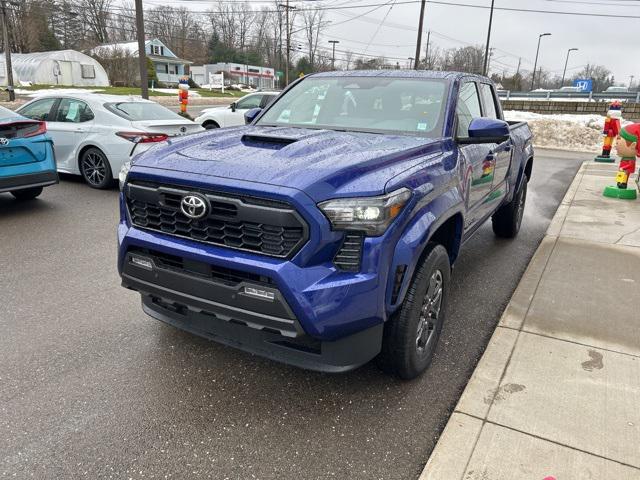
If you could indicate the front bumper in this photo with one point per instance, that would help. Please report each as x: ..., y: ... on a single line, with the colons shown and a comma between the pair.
x: 30, y: 180
x: 217, y: 307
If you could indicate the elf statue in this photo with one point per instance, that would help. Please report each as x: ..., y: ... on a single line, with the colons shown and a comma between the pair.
x: 610, y: 131
x: 183, y: 95
x: 628, y: 148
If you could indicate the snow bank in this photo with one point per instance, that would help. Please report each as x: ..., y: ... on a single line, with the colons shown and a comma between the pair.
x: 58, y: 91
x: 192, y: 93
x: 582, y: 133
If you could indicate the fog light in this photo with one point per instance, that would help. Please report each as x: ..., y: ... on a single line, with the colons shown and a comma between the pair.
x: 259, y: 293
x: 142, y: 262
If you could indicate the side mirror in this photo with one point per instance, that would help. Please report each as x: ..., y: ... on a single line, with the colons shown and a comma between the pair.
x: 487, y: 130
x: 251, y: 114
x: 233, y: 107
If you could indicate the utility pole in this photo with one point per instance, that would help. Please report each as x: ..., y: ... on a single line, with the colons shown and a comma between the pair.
x: 333, y: 54
x: 535, y: 65
x: 7, y: 51
x: 142, y: 53
x: 288, y: 27
x: 419, y: 41
x: 485, y: 67
x: 564, y: 73
x: 426, y: 51
x: 487, y: 64
x: 631, y: 77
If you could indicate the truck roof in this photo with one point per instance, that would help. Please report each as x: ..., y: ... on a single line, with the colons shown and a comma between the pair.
x: 399, y: 74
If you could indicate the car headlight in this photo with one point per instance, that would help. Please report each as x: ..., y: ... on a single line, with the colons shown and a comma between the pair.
x: 372, y: 215
x: 122, y: 176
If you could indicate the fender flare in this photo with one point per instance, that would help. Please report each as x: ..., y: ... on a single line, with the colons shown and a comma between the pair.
x: 410, y: 246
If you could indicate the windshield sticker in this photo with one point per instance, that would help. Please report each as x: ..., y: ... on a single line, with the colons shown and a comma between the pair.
x: 73, y: 111
x: 422, y: 126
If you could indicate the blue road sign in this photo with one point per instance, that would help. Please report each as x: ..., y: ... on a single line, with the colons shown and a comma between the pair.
x: 584, y: 84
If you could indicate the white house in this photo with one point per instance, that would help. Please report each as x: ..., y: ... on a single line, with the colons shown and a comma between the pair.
x: 259, y: 77
x: 60, y: 67
x: 169, y: 67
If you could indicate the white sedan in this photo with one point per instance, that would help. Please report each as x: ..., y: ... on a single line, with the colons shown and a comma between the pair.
x: 95, y: 134
x: 233, y: 115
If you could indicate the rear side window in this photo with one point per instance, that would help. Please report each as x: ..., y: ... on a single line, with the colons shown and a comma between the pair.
x: 252, y: 101
x: 267, y: 99
x: 134, y: 111
x: 72, y: 111
x: 468, y: 108
x: 488, y: 100
x: 38, y: 110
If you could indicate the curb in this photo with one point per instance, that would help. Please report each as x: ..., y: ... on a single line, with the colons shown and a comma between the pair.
x: 463, y: 428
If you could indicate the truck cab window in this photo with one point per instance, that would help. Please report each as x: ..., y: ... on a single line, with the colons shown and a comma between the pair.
x: 468, y: 108
x: 488, y: 101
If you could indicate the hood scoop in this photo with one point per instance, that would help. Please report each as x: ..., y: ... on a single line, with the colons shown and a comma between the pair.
x: 266, y: 138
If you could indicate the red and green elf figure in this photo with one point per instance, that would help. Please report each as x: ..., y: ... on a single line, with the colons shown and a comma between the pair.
x: 628, y: 148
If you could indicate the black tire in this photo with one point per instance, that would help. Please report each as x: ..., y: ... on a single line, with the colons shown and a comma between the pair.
x: 27, y: 193
x: 210, y: 124
x: 411, y: 336
x: 507, y: 220
x: 95, y: 168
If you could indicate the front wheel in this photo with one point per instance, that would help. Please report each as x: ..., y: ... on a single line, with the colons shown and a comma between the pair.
x: 210, y: 125
x: 507, y: 220
x: 27, y: 193
x: 411, y: 336
x: 95, y: 168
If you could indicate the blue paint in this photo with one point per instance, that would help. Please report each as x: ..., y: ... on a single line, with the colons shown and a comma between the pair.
x: 305, y: 166
x: 21, y: 157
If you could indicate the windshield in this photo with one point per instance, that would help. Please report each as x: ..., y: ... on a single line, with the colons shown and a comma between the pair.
x: 369, y: 104
x: 141, y: 111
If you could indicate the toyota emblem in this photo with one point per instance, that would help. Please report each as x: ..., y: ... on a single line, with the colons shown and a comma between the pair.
x: 183, y: 129
x: 4, y: 141
x: 194, y: 206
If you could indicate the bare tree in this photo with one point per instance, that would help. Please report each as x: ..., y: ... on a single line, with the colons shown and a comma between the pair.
x: 95, y: 14
x: 313, y: 22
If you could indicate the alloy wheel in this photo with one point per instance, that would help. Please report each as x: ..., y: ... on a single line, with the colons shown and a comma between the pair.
x: 429, y: 313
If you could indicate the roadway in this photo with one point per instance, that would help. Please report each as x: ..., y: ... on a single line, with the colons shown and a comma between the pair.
x: 93, y: 388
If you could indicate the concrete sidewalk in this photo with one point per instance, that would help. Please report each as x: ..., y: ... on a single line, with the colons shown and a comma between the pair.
x: 557, y: 391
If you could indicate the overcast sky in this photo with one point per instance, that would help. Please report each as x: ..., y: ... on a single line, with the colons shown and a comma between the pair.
x: 612, y: 42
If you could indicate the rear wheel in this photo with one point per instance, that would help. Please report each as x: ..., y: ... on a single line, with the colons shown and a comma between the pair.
x: 508, y: 219
x: 411, y: 336
x: 27, y: 193
x: 210, y: 124
x: 95, y: 169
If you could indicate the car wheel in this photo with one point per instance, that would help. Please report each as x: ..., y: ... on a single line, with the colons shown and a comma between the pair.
x: 508, y: 219
x: 95, y: 169
x: 27, y: 193
x: 210, y: 125
x: 411, y: 335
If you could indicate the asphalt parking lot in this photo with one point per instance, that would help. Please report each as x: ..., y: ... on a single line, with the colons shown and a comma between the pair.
x: 93, y: 388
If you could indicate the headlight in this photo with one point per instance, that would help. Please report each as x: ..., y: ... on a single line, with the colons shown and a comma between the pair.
x: 372, y: 215
x: 122, y: 176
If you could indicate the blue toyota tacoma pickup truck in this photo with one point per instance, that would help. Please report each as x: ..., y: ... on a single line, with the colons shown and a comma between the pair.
x: 323, y: 233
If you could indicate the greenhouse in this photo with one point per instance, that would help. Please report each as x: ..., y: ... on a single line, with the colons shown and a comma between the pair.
x: 61, y: 67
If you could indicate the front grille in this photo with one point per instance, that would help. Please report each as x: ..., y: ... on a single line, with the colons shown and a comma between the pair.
x: 257, y: 225
x: 349, y: 256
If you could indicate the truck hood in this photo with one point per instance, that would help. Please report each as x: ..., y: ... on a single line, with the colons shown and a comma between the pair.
x: 322, y: 163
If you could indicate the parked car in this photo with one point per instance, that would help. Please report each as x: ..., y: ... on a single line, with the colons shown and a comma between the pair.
x: 614, y: 89
x: 569, y: 90
x: 95, y: 134
x: 27, y: 162
x: 323, y: 233
x: 233, y: 115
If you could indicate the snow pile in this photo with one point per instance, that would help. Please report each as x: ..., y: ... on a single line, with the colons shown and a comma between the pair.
x: 192, y: 93
x: 581, y: 133
x: 57, y: 91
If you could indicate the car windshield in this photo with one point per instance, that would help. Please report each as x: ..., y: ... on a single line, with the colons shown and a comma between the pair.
x: 368, y: 104
x: 141, y: 111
